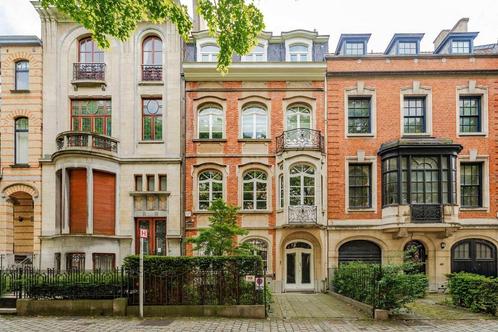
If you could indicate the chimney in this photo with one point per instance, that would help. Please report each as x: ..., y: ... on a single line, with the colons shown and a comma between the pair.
x: 460, y: 26
x: 198, y: 22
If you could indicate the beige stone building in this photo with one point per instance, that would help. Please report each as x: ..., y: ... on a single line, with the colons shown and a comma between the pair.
x: 111, y: 144
x: 20, y: 149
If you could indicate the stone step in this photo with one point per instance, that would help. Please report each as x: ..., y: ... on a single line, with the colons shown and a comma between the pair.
x: 8, y: 311
x: 8, y: 302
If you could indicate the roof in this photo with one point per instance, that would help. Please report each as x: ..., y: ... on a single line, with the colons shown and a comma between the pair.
x: 351, y: 37
x: 418, y: 143
x: 486, y: 49
x: 453, y: 35
x: 403, y: 36
x: 12, y: 40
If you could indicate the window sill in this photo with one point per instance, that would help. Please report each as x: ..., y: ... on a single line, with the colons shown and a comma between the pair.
x: 20, y: 91
x: 150, y: 142
x: 360, y: 135
x: 150, y: 83
x: 208, y: 140
x: 255, y: 211
x: 472, y: 134
x: 417, y: 135
x: 471, y: 209
x: 202, y: 212
x: 143, y: 193
x: 20, y: 166
x: 280, y: 210
x: 254, y: 140
x: 360, y: 210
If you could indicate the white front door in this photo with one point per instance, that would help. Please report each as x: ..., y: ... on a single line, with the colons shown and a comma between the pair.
x: 299, y: 266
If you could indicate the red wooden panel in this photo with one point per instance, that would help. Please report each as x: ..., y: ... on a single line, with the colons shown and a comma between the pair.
x: 78, y: 201
x: 104, y: 203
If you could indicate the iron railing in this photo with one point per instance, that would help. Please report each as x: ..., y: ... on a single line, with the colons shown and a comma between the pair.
x: 302, y: 214
x: 426, y: 213
x: 86, y: 141
x: 300, y: 139
x: 152, y: 73
x: 88, y: 71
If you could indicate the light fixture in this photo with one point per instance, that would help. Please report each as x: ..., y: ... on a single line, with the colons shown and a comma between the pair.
x: 443, y: 245
x: 20, y: 219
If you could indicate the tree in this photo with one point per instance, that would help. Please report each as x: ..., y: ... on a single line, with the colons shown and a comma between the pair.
x: 235, y: 24
x: 219, y: 238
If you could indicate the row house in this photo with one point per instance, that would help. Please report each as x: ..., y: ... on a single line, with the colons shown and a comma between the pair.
x: 412, y: 153
x: 111, y: 160
x: 255, y: 138
x: 20, y: 142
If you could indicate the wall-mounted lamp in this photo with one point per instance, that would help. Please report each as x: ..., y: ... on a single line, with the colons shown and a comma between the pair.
x: 21, y: 219
x: 443, y: 245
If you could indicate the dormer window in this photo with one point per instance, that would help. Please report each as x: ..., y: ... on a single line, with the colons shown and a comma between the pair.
x: 407, y: 48
x: 298, y: 53
x: 257, y: 54
x: 209, y: 53
x: 355, y: 48
x: 460, y: 47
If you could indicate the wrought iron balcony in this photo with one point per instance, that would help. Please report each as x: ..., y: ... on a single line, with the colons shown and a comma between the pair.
x: 300, y: 139
x: 302, y: 214
x: 152, y: 73
x: 71, y: 140
x: 426, y: 213
x: 88, y: 71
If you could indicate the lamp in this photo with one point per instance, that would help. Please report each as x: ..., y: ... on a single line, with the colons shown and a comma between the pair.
x: 20, y: 219
x: 443, y: 245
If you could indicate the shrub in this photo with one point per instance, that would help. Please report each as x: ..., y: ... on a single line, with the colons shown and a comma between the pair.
x: 387, y: 287
x: 473, y: 291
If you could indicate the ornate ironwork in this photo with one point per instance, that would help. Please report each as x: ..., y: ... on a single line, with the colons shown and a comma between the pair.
x: 302, y: 214
x: 426, y: 213
x: 300, y: 139
x: 85, y: 140
x: 89, y: 71
x: 152, y: 73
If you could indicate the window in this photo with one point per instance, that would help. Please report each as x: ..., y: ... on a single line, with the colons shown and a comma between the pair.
x: 302, y: 185
x: 103, y: 262
x: 75, y: 262
x: 359, y: 115
x: 254, y: 123
x: 261, y: 250
x: 470, y: 114
x: 414, y: 115
x: 89, y: 52
x: 355, y: 48
x: 407, y: 48
x: 298, y: 53
x: 281, y: 190
x: 255, y: 190
x: 138, y: 183
x: 257, y: 54
x: 210, y: 188
x: 474, y: 256
x: 152, y: 113
x: 471, y: 185
x: 210, y: 123
x: 152, y: 59
x: 298, y: 117
x: 57, y: 262
x: 360, y: 186
x: 155, y: 243
x: 163, y: 182
x: 390, y: 180
x: 209, y: 53
x: 91, y: 115
x: 22, y: 75
x: 151, y: 183
x: 21, y: 141
x: 460, y: 47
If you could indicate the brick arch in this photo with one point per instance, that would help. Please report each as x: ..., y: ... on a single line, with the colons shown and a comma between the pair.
x: 19, y: 187
x: 20, y: 114
x: 18, y: 56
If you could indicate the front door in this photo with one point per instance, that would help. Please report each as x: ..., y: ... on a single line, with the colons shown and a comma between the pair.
x: 299, y: 266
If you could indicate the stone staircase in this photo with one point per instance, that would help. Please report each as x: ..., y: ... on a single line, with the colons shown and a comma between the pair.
x: 8, y: 304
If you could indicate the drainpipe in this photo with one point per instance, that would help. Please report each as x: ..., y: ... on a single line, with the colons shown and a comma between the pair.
x: 326, y: 176
x: 183, y: 125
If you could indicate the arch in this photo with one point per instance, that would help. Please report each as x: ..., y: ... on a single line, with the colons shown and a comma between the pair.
x: 19, y: 187
x: 360, y: 250
x: 152, y: 50
x: 255, y: 189
x: 210, y: 183
x: 88, y: 51
x: 261, y: 245
x: 297, y: 116
x: 254, y: 121
x: 210, y: 121
x: 474, y: 255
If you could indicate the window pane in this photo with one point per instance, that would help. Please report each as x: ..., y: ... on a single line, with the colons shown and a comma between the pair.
x: 414, y: 115
x: 359, y: 186
x: 471, y: 184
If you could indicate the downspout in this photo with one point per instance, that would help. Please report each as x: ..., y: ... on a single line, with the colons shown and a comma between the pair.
x: 326, y: 176
x: 182, y: 153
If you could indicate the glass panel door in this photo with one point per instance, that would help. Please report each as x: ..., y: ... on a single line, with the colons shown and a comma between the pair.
x: 305, y: 268
x: 291, y: 268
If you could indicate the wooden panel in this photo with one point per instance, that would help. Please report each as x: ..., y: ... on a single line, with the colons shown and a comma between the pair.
x: 104, y: 202
x: 78, y: 213
x: 23, y: 223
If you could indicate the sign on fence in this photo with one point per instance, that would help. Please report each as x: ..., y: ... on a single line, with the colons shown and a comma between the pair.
x: 250, y: 278
x: 259, y: 283
x: 143, y: 233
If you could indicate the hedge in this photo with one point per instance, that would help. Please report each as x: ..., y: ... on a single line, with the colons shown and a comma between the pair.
x: 387, y: 287
x: 476, y: 292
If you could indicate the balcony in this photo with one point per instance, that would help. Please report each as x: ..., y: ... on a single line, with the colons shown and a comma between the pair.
x: 300, y: 139
x: 83, y: 141
x: 426, y: 213
x: 152, y: 73
x: 302, y: 214
x: 88, y: 74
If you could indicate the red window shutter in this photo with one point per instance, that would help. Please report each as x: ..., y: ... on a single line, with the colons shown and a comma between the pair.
x: 78, y: 201
x: 104, y: 203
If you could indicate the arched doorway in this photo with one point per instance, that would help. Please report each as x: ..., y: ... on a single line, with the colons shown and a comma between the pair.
x: 23, y: 230
x: 299, y: 266
x: 414, y: 252
x: 360, y: 251
x: 474, y: 256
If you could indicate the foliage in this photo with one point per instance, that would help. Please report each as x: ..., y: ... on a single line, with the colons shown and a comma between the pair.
x: 219, y: 238
x: 235, y: 23
x: 477, y: 292
x: 386, y: 287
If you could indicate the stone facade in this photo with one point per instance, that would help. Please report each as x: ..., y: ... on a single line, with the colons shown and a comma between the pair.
x: 20, y: 172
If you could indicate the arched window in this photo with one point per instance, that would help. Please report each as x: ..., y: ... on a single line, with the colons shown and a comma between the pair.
x: 298, y: 52
x: 254, y: 123
x: 298, y: 116
x: 89, y: 52
x: 474, y: 256
x: 22, y: 75
x: 152, y: 59
x: 255, y: 190
x: 302, y: 185
x: 260, y: 249
x: 257, y: 54
x: 210, y: 188
x: 360, y: 251
x: 209, y: 53
x: 21, y: 140
x: 210, y: 123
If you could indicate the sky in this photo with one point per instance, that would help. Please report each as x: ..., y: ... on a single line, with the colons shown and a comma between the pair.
x: 381, y: 18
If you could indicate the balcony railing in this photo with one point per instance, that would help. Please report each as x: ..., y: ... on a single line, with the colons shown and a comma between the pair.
x: 300, y: 139
x: 86, y: 141
x: 426, y: 213
x: 88, y: 71
x: 302, y: 214
x: 152, y: 73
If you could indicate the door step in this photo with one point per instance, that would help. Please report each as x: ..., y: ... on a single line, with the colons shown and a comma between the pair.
x: 8, y: 311
x: 8, y: 302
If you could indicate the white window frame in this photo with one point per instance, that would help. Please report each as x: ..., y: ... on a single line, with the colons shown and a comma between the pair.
x: 203, y: 43
x: 299, y: 41
x: 253, y: 110
x: 471, y: 89
x: 416, y: 91
x: 255, y: 181
x: 210, y: 182
x: 298, y: 124
x: 302, y: 175
x: 360, y: 90
x: 250, y: 57
x: 485, y: 180
x: 210, y: 120
x: 360, y: 159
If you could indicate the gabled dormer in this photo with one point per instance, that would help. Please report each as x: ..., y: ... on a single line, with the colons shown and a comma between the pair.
x: 404, y: 44
x: 352, y: 44
x: 456, y: 41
